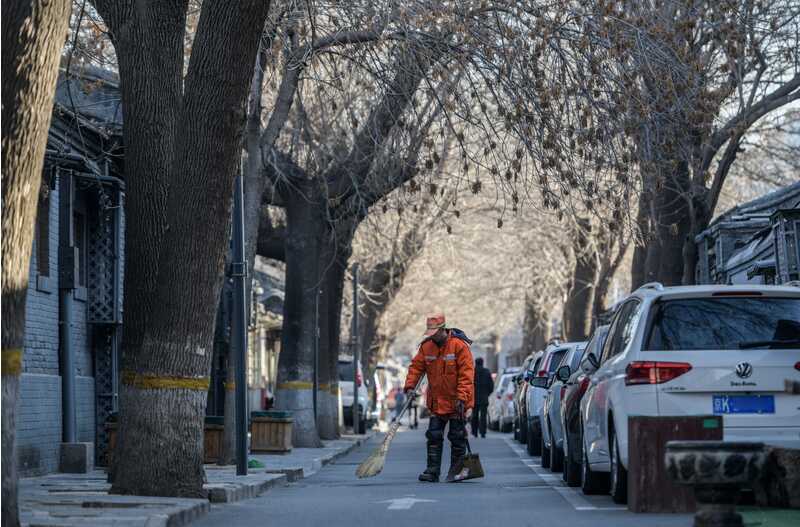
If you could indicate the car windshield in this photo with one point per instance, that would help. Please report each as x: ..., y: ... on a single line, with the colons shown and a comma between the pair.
x: 346, y: 371
x: 725, y: 323
x: 555, y: 360
x: 576, y: 359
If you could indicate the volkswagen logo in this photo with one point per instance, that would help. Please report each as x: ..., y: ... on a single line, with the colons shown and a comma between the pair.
x: 744, y: 370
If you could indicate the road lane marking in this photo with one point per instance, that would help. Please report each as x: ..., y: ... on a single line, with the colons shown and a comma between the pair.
x: 398, y: 504
x: 554, y: 481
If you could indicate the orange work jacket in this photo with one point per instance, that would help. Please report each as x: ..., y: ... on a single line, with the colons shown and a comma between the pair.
x: 451, y: 374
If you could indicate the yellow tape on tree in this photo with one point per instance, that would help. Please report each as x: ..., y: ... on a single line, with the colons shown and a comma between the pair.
x: 296, y: 385
x: 157, y: 382
x: 229, y: 386
x: 11, y: 361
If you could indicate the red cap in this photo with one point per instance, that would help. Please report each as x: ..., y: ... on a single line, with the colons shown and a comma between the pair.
x: 434, y: 323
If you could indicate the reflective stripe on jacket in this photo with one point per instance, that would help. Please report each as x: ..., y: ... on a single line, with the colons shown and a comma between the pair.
x: 451, y: 374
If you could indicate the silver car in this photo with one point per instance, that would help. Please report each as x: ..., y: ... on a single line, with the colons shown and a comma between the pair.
x: 569, y: 354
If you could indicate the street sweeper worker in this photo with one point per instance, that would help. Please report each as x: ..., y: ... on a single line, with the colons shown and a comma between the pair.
x: 445, y: 357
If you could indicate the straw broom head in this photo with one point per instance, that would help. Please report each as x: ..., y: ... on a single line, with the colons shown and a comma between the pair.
x: 373, y: 465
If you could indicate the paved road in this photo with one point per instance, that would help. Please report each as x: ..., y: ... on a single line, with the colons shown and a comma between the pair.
x: 512, y: 493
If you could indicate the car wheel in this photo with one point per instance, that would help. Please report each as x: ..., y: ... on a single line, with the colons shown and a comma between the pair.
x: 591, y: 482
x: 545, y: 460
x: 534, y: 447
x: 572, y: 468
x: 506, y: 427
x: 516, y: 429
x: 619, y: 476
x: 556, y: 456
x: 523, y: 431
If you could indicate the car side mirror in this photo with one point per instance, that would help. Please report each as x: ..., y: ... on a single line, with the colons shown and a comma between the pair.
x: 563, y: 373
x: 540, y: 382
x: 528, y: 376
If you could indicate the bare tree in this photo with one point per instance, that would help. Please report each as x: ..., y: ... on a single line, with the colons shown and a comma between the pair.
x: 182, y: 131
x: 33, y: 32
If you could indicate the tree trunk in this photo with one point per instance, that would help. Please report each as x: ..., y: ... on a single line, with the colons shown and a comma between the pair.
x: 327, y: 420
x: 534, y: 327
x: 578, y: 306
x: 33, y: 33
x: 295, y: 374
x: 493, y: 353
x: 168, y: 355
x: 228, y: 452
x: 672, y: 226
x: 335, y: 288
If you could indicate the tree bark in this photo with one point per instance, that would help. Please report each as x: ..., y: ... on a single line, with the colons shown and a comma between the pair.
x: 33, y: 33
x: 534, y: 328
x: 305, y: 228
x: 167, y: 356
x: 578, y: 306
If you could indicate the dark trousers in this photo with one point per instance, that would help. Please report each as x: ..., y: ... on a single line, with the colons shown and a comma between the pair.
x: 457, y: 434
x: 479, y: 419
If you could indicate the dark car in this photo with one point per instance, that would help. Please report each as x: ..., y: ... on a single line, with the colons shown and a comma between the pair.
x: 575, y: 387
x: 520, y: 432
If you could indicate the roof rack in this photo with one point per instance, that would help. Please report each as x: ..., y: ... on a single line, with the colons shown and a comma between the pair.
x: 652, y: 285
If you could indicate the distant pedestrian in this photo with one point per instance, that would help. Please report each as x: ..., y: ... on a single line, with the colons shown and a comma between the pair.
x: 399, y: 401
x: 483, y: 388
x: 445, y: 357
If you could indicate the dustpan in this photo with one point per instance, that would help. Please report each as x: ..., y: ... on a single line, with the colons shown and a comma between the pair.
x: 471, y: 468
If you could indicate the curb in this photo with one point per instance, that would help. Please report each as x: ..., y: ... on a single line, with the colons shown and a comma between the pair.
x: 232, y: 492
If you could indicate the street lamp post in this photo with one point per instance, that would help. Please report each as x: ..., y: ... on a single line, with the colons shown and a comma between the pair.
x: 239, y: 326
x: 354, y: 339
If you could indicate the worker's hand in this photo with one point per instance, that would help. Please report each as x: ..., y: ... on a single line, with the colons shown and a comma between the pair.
x: 460, y: 410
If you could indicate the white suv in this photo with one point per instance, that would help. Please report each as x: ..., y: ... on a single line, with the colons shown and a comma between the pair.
x: 693, y: 350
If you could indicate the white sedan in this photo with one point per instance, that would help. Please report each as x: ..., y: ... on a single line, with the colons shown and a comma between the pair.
x: 693, y: 350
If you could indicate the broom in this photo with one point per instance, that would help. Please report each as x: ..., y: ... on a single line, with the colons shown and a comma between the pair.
x: 373, y: 465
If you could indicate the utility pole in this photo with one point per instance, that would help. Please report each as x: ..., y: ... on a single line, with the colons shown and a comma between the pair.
x: 316, y: 352
x: 239, y: 326
x: 354, y: 340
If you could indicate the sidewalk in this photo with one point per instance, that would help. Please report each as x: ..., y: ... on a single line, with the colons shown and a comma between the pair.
x: 83, y: 499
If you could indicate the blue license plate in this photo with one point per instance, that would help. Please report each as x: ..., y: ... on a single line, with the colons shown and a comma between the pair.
x: 744, y: 404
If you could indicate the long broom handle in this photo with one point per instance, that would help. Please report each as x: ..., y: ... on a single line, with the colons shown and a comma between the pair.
x: 410, y: 399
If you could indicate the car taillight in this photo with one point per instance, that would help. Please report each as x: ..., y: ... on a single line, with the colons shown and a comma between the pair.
x: 358, y: 378
x: 510, y: 396
x: 583, y: 386
x: 797, y: 366
x: 542, y: 373
x: 648, y: 372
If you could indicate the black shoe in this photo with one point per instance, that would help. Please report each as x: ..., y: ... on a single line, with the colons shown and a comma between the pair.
x: 456, y: 468
x: 429, y: 477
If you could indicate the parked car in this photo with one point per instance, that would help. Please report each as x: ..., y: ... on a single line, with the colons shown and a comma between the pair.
x: 570, y: 408
x: 693, y: 350
x: 499, y: 414
x: 521, y: 386
x: 346, y: 386
x: 552, y: 436
x: 544, y: 368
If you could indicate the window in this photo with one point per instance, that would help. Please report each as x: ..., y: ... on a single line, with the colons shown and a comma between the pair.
x: 621, y: 333
x: 43, y: 231
x: 724, y: 323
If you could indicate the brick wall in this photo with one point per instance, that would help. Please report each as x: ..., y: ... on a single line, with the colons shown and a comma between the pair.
x: 39, y: 419
x: 39, y: 424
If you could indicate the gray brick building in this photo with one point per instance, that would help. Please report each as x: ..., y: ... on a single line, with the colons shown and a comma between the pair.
x: 74, y: 292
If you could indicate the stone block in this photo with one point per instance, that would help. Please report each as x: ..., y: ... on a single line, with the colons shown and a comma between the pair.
x: 779, y: 484
x: 76, y: 458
